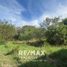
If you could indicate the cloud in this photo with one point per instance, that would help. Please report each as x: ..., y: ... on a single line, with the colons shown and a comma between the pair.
x: 59, y: 11
x: 62, y: 11
x: 10, y: 10
x: 13, y: 11
x: 13, y: 5
x: 31, y: 23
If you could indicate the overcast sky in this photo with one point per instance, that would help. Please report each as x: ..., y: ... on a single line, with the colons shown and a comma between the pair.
x: 31, y: 12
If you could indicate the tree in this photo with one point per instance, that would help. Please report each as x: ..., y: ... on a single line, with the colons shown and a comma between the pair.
x: 55, y: 32
x: 65, y: 21
x: 7, y: 31
x: 27, y: 33
x: 54, y: 36
x: 49, y: 21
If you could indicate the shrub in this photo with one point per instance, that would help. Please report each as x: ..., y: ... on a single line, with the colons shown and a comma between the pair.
x: 54, y: 37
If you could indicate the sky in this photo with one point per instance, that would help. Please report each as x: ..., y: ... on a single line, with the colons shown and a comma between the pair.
x: 31, y: 12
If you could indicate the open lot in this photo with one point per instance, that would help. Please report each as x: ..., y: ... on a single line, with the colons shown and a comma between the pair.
x: 54, y: 56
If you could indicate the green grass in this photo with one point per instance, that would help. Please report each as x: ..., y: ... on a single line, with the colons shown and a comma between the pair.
x: 9, y: 54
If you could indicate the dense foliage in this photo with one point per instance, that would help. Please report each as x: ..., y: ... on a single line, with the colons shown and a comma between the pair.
x: 7, y: 31
x: 51, y: 30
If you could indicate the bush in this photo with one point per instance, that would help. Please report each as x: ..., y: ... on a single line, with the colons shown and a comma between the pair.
x: 54, y: 37
x: 7, y: 31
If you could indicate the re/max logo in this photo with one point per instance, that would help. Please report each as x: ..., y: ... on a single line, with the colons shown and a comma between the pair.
x: 33, y: 52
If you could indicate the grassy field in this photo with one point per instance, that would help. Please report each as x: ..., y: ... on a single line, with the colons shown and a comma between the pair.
x: 55, y: 56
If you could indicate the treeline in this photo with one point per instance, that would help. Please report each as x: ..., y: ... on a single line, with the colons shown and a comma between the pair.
x: 51, y: 30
